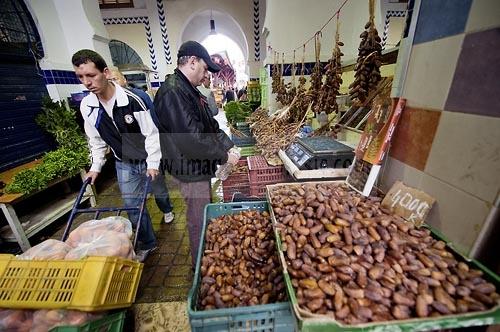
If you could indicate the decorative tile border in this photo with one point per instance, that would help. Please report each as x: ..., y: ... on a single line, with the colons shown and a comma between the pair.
x: 256, y: 29
x: 53, y: 76
x: 388, y: 15
x: 308, y: 67
x: 163, y: 27
x: 134, y: 20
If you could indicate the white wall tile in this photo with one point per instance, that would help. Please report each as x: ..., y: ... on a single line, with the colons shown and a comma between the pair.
x: 466, y: 154
x: 430, y: 72
x: 484, y: 14
x: 456, y: 214
x: 395, y: 170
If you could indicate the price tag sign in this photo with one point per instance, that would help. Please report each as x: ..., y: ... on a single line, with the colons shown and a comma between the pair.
x: 410, y: 203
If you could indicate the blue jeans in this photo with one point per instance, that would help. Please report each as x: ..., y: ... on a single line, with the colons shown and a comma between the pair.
x: 160, y: 191
x: 131, y: 180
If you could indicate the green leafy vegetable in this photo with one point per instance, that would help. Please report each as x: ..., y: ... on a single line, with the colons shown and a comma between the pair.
x: 236, y: 112
x: 71, y: 156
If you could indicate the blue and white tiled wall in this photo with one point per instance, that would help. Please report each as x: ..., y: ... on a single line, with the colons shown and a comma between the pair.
x: 60, y: 77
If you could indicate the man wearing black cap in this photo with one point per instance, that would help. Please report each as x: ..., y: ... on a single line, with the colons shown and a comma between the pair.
x: 191, y: 141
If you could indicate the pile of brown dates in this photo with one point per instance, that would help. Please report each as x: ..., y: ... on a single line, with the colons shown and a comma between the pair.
x: 240, y: 266
x: 351, y: 259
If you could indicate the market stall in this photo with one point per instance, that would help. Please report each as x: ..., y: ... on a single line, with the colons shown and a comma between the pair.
x: 352, y: 257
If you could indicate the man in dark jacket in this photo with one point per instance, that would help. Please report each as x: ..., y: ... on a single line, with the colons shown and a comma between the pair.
x: 230, y: 95
x: 192, y: 143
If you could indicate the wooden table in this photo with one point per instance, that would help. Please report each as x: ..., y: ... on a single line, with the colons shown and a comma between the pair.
x: 22, y: 228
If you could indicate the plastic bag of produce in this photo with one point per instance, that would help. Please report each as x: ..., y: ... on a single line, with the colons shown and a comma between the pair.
x: 16, y: 320
x: 48, y: 249
x: 44, y: 320
x: 114, y: 223
x: 101, y: 243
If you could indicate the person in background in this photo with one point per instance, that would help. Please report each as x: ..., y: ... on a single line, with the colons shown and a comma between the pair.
x: 209, y: 94
x: 191, y: 140
x: 118, y: 118
x: 230, y: 95
x: 242, y: 94
x: 158, y: 186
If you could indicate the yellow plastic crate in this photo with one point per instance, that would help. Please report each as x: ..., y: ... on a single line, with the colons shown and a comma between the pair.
x: 91, y: 284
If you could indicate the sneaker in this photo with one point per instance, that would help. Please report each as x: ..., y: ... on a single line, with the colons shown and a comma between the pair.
x: 168, y: 217
x: 142, y: 254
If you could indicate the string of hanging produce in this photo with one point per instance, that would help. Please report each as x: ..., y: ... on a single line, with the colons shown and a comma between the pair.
x: 333, y: 79
x: 292, y: 91
x: 282, y: 94
x: 316, y: 75
x: 275, y: 75
x: 301, y: 101
x: 367, y: 69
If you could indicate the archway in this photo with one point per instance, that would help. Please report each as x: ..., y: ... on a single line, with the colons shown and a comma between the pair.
x: 122, y: 54
x: 229, y: 38
x: 227, y: 51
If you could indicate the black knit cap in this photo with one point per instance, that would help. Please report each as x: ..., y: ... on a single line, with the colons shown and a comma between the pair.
x: 190, y: 48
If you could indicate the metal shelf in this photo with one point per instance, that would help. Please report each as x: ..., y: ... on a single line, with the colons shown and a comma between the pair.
x: 40, y: 217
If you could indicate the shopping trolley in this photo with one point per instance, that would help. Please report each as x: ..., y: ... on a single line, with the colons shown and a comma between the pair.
x: 97, y: 211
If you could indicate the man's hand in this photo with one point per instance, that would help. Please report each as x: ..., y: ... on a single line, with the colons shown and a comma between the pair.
x: 93, y: 175
x: 153, y: 173
x: 232, y: 158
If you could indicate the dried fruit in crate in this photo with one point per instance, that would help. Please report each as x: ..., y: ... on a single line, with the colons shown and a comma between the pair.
x: 348, y: 257
x: 240, y: 265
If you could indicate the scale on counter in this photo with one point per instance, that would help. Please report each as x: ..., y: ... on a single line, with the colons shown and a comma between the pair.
x: 317, y: 158
x: 320, y: 152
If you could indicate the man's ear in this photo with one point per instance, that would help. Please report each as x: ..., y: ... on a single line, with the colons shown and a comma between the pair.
x: 106, y: 72
x: 192, y: 61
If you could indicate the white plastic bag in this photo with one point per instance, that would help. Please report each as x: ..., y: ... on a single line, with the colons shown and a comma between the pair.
x: 48, y: 249
x: 114, y: 223
x: 101, y: 243
x: 16, y: 320
x: 44, y: 320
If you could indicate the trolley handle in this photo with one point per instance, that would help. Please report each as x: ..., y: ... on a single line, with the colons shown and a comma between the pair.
x: 75, y: 210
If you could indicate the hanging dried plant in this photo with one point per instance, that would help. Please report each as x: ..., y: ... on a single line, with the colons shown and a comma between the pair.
x: 367, y: 69
x: 316, y: 75
x: 333, y: 79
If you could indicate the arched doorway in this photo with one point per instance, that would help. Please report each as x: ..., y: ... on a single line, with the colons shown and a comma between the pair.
x: 126, y: 59
x: 22, y: 87
x: 122, y: 54
x: 230, y: 55
x: 228, y: 40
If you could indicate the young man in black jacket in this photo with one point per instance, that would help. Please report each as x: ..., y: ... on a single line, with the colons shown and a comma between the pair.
x: 191, y: 141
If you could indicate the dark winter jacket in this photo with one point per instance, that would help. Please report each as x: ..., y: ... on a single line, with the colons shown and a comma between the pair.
x: 191, y: 142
